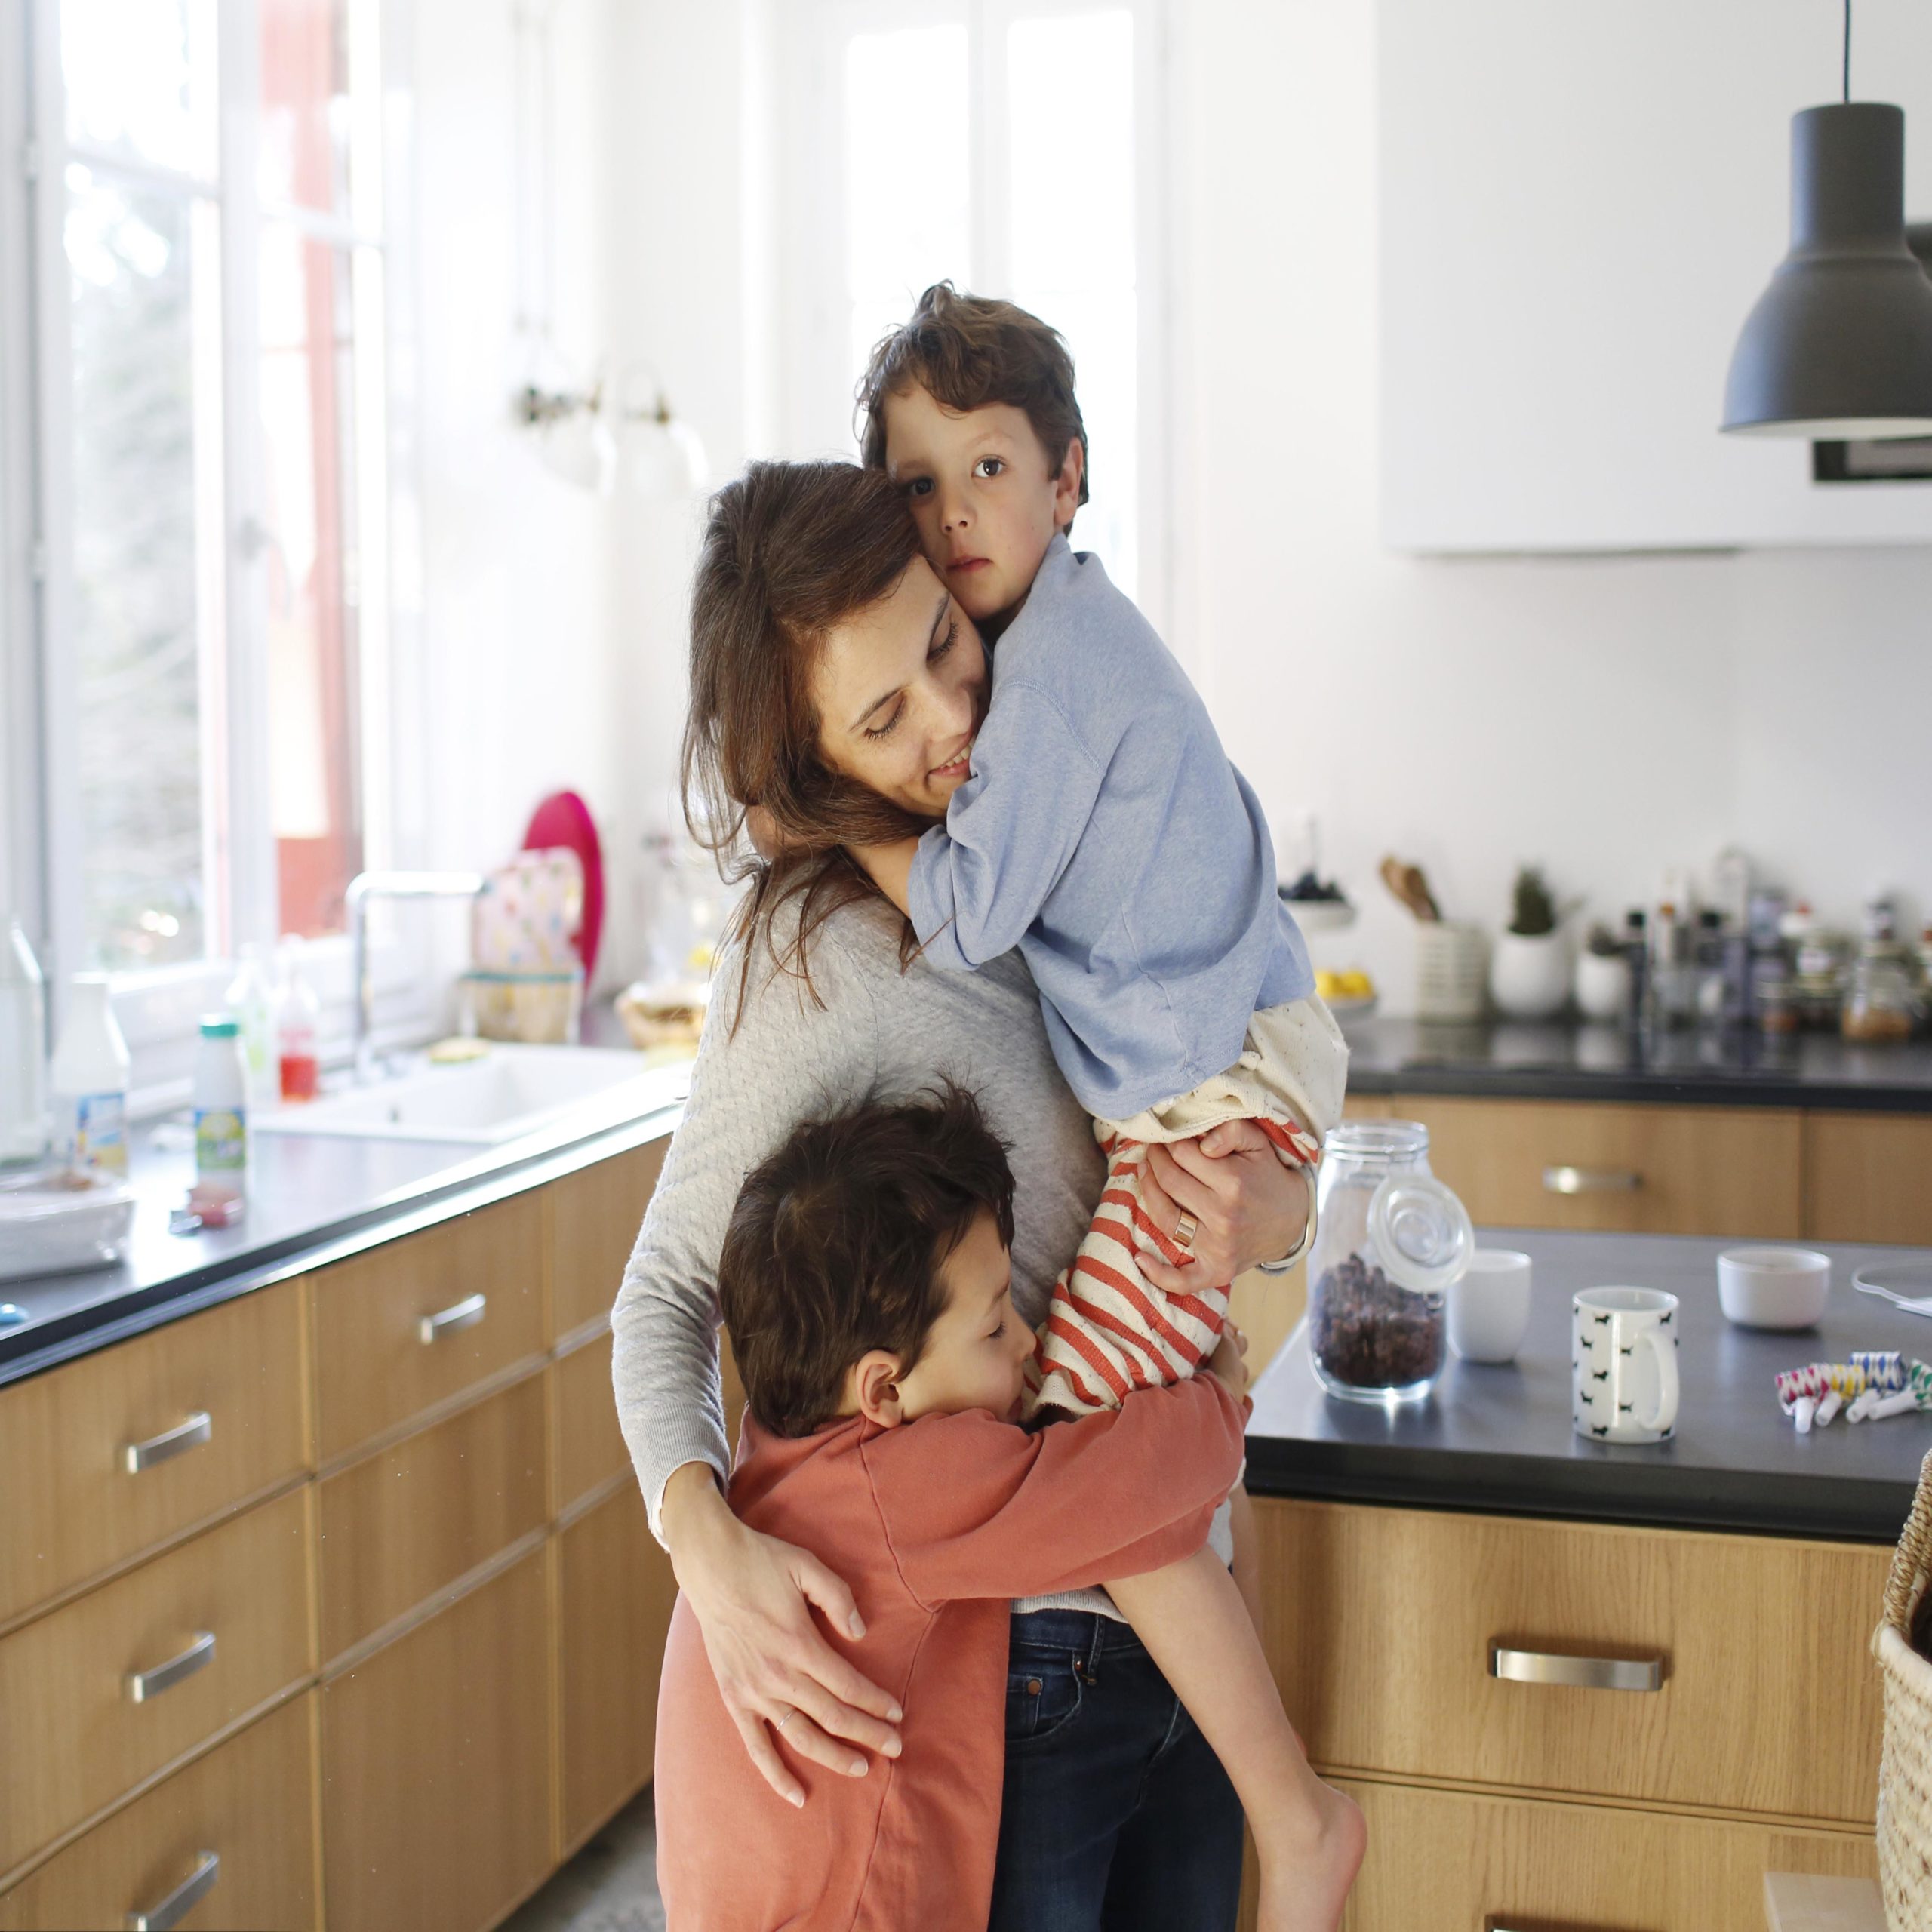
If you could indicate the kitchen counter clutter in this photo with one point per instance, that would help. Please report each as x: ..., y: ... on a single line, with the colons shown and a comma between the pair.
x: 1559, y: 1061
x: 313, y: 1198
x: 1499, y: 1438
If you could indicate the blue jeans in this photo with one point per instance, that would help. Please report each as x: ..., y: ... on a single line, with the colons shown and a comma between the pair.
x: 1117, y: 1816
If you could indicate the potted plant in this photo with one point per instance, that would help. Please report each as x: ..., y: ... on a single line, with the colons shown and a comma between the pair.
x: 1529, y: 971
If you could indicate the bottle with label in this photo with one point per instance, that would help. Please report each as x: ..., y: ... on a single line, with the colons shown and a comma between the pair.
x: 251, y: 999
x: 221, y: 1121
x: 23, y: 1050
x: 298, y: 1028
x: 89, y: 1078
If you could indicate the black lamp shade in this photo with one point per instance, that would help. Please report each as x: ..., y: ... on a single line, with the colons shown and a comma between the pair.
x: 1840, y: 346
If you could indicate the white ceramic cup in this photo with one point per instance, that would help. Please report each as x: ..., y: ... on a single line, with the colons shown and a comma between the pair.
x: 1623, y: 1364
x: 1773, y: 1287
x: 1489, y: 1308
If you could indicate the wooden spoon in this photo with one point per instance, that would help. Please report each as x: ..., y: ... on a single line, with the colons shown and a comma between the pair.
x: 1407, y: 882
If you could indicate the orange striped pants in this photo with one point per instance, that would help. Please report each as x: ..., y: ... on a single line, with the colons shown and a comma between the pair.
x: 1108, y: 1330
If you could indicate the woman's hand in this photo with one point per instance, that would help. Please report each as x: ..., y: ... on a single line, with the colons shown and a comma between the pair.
x: 1249, y: 1206
x: 753, y: 1597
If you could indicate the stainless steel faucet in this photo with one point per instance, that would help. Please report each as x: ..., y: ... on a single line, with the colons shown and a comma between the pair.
x: 363, y: 888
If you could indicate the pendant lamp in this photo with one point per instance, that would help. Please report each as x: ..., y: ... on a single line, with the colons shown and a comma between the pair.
x: 1839, y: 347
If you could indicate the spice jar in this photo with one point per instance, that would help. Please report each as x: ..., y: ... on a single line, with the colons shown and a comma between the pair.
x: 1390, y: 1240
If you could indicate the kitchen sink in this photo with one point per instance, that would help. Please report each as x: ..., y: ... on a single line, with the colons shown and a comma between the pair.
x: 511, y: 1091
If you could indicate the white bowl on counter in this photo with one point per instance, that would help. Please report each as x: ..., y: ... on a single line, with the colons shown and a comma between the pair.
x: 1773, y: 1287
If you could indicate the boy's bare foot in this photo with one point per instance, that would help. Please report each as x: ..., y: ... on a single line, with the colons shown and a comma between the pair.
x: 1305, y: 1883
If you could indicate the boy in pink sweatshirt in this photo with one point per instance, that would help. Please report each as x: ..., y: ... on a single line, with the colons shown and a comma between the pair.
x: 864, y: 1282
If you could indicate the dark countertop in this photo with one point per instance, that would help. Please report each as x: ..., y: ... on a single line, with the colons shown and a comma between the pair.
x: 1519, y: 1061
x: 1499, y: 1439
x: 312, y: 1199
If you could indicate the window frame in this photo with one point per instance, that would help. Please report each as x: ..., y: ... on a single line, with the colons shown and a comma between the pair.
x: 40, y: 866
x: 810, y: 199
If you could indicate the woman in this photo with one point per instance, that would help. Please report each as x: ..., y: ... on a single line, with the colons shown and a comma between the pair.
x: 841, y: 706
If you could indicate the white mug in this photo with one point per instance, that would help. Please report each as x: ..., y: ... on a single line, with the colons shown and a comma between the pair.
x: 1623, y: 1364
x: 1489, y: 1308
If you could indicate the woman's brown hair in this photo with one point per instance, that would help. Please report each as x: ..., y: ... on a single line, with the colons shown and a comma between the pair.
x: 791, y: 550
x: 965, y: 352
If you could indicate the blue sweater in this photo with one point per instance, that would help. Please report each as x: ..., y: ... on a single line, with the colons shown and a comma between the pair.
x: 1103, y: 832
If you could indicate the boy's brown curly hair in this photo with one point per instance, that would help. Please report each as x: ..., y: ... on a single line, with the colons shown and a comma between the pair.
x: 967, y: 351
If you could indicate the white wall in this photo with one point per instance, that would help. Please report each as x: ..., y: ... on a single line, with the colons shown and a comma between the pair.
x: 1608, y: 718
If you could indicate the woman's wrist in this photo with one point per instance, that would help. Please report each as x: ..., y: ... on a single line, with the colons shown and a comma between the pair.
x: 693, y: 1512
x: 1304, y: 1234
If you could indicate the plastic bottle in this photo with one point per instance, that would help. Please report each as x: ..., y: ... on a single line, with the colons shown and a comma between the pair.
x: 89, y: 1078
x: 298, y: 1028
x: 221, y: 1121
x: 250, y: 999
x: 23, y: 1049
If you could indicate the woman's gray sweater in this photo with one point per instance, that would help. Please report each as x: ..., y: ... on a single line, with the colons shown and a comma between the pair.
x: 879, y: 1031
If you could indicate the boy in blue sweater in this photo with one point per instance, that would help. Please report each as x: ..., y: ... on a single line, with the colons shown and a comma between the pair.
x: 1093, y: 819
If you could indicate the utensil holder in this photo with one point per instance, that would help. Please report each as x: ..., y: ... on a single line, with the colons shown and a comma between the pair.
x: 1452, y: 965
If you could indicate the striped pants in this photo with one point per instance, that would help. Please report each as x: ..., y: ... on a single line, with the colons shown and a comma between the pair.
x: 1109, y: 1331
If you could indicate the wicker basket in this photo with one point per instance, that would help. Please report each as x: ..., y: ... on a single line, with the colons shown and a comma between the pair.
x: 1905, y: 1773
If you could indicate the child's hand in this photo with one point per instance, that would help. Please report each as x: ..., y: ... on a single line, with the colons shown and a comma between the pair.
x: 1229, y: 1363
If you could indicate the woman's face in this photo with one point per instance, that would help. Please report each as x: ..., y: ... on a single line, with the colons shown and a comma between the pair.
x: 900, y: 688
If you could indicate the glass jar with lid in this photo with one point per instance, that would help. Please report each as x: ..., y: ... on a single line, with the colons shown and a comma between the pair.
x: 1881, y: 1002
x: 1390, y: 1240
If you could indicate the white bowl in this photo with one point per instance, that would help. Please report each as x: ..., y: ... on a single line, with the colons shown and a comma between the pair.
x: 1773, y: 1287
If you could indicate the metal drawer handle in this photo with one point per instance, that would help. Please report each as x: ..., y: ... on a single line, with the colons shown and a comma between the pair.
x: 1579, y: 1673
x: 1591, y: 1180
x: 465, y: 1314
x: 169, y: 1912
x: 199, y: 1428
x: 1513, y: 1924
x: 144, y: 1684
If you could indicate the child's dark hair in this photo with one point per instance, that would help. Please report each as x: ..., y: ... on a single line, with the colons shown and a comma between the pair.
x: 967, y: 351
x: 836, y: 1243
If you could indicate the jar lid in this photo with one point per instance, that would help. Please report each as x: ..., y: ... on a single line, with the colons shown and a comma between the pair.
x: 1421, y: 1233
x: 221, y: 1026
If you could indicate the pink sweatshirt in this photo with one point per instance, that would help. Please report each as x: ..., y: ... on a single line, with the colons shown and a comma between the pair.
x: 934, y: 1526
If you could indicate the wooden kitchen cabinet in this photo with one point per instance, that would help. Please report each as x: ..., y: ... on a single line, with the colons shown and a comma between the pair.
x: 1867, y: 1177
x: 1375, y: 1683
x: 1455, y: 1861
x: 376, y: 1365
x: 592, y: 1217
x: 74, y: 1509
x: 410, y: 1520
x: 615, y: 1591
x: 1641, y: 1169
x: 216, y: 1629
x: 436, y: 1761
x: 250, y: 1802
x: 425, y: 1566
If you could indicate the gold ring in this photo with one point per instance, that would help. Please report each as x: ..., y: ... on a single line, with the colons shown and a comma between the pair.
x: 1186, y: 1228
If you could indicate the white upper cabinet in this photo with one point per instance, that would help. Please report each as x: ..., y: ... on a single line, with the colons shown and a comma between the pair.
x: 1580, y: 201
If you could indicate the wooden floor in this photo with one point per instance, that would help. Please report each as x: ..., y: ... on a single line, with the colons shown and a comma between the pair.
x: 610, y: 1886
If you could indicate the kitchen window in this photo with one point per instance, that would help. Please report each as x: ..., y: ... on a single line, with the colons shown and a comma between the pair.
x: 198, y: 460
x: 1014, y: 147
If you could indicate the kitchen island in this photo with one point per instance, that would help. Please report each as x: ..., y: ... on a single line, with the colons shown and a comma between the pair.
x: 1576, y: 1685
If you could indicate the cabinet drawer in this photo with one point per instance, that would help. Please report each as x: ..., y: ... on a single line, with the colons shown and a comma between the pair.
x: 73, y: 1737
x: 374, y: 1369
x: 1380, y: 1623
x: 1865, y: 1178
x: 74, y: 1507
x: 594, y: 1217
x: 436, y: 1792
x: 249, y: 1803
x: 401, y: 1524
x: 590, y: 1446
x: 615, y: 1593
x: 1681, y: 1170
x: 1441, y: 1860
